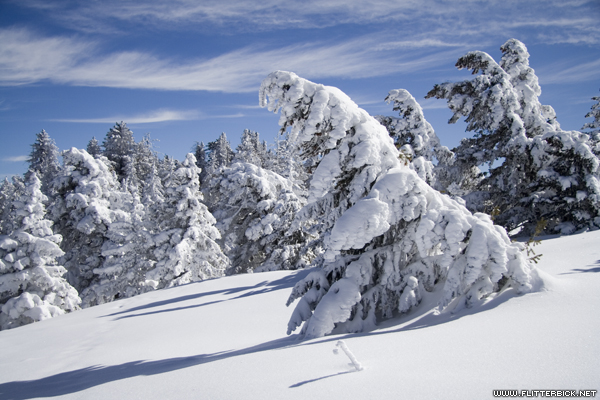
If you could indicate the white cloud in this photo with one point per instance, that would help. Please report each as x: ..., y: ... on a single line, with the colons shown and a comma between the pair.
x: 436, y: 20
x: 150, y: 117
x: 25, y: 58
x: 16, y: 159
x: 560, y: 73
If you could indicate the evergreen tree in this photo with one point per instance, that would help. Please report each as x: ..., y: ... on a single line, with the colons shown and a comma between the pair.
x: 391, y: 237
x: 254, y: 208
x: 43, y: 159
x: 186, y: 250
x: 144, y: 160
x: 201, y: 160
x: 82, y: 212
x: 118, y: 144
x: 286, y: 161
x: 544, y: 172
x: 220, y: 154
x: 9, y: 192
x: 417, y: 141
x: 127, y: 250
x: 250, y: 150
x: 93, y: 147
x: 594, y: 126
x: 32, y: 287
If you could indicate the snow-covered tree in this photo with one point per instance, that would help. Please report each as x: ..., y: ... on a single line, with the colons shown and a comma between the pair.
x: 594, y: 126
x: 185, y: 247
x: 32, y: 287
x: 251, y: 150
x: 201, y: 159
x: 285, y: 159
x: 10, y: 191
x: 417, y: 141
x: 144, y: 160
x: 515, y: 62
x: 544, y: 172
x: 82, y: 212
x: 219, y: 154
x: 127, y: 250
x: 254, y: 208
x: 43, y: 159
x: 93, y: 148
x: 118, y: 144
x: 390, y: 236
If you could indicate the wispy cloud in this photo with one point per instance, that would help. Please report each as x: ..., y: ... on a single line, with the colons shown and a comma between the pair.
x: 25, y: 58
x: 146, y: 118
x: 438, y: 20
x: 560, y: 73
x: 150, y: 117
x: 16, y: 159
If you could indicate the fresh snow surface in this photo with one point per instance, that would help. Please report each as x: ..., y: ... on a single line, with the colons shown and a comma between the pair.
x: 225, y: 339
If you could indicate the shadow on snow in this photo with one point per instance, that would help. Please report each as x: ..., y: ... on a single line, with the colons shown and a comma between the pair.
x: 78, y: 380
x: 584, y: 270
x: 260, y: 288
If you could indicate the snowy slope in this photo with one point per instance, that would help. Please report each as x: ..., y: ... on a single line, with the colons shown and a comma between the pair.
x: 225, y: 339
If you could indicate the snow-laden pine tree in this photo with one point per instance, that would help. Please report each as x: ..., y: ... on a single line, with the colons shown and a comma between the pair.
x: 32, y: 287
x: 254, y: 208
x: 93, y: 148
x: 535, y: 116
x: 594, y: 126
x: 390, y: 236
x: 285, y: 159
x: 83, y: 209
x: 118, y: 144
x: 201, y: 159
x: 251, y: 150
x: 43, y: 159
x: 144, y: 160
x: 219, y: 154
x: 127, y: 248
x: 185, y: 248
x: 9, y: 192
x: 417, y: 141
x: 545, y: 173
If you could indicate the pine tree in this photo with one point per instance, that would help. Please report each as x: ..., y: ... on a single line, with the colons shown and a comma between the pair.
x: 93, y: 147
x: 118, y: 144
x: 127, y: 250
x: 201, y: 160
x: 186, y: 250
x: 9, y: 192
x: 144, y: 160
x: 417, y: 141
x: 32, y: 287
x: 254, y: 208
x: 285, y: 160
x: 544, y: 172
x: 594, y: 126
x: 250, y: 150
x: 220, y: 154
x: 82, y: 212
x: 43, y: 159
x: 391, y: 237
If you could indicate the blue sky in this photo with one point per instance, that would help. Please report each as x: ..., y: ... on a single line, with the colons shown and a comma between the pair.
x: 185, y: 71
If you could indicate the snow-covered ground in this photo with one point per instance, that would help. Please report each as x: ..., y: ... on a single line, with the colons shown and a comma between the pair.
x: 225, y: 339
